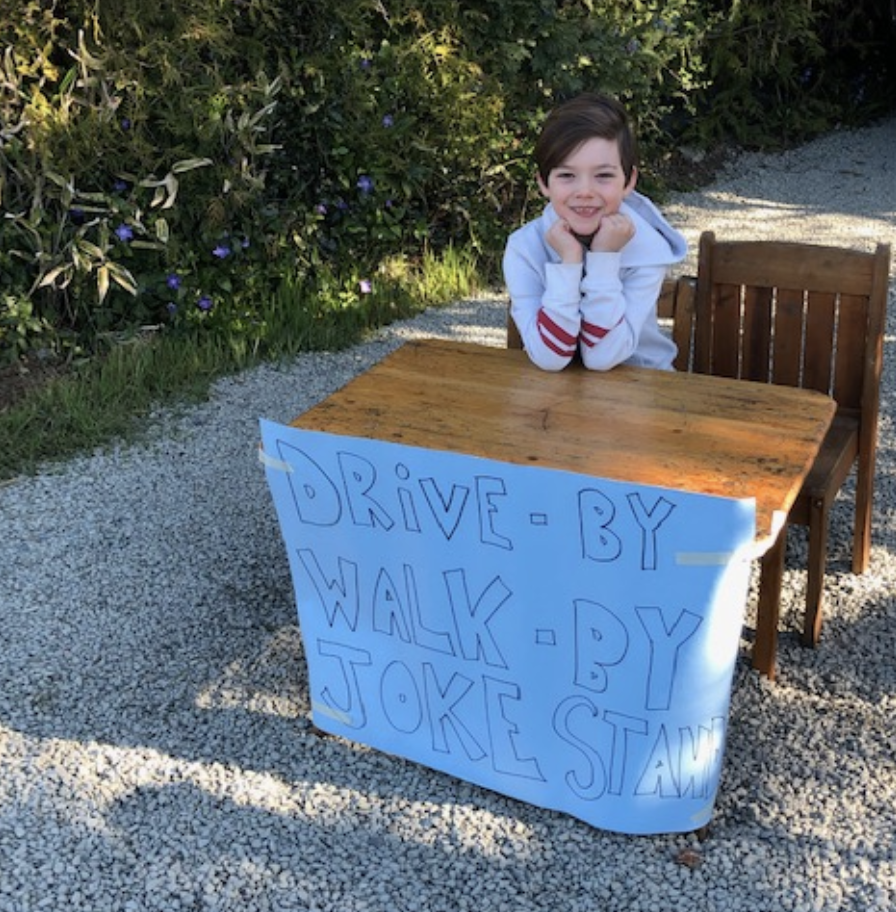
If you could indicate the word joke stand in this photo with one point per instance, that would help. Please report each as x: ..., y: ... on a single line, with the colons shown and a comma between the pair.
x: 565, y: 640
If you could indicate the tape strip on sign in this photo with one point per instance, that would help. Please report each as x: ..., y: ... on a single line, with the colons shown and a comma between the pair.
x: 331, y: 711
x: 272, y: 462
x: 702, y: 558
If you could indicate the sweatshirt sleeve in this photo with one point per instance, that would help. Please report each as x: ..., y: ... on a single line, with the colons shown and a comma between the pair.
x: 605, y: 308
x: 544, y: 304
x: 617, y: 302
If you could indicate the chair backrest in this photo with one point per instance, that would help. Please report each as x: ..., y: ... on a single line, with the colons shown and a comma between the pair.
x: 789, y: 313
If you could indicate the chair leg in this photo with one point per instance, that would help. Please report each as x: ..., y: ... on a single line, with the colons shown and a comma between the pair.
x: 818, y: 547
x: 771, y: 574
x: 861, y: 541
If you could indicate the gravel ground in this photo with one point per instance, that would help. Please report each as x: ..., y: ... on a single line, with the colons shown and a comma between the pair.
x: 155, y: 750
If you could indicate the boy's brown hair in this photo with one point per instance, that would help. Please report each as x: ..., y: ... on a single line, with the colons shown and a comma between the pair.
x: 576, y: 121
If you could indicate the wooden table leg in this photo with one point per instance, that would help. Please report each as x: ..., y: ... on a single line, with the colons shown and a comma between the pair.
x: 765, y: 646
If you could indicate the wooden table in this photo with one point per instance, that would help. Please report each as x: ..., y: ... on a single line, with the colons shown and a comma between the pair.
x: 697, y: 433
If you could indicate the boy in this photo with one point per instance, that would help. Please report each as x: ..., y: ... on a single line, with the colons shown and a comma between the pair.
x: 585, y: 276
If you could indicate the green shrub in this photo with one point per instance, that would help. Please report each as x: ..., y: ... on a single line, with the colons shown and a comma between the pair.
x: 419, y: 119
x: 102, y: 225
x: 781, y: 71
x: 178, y: 163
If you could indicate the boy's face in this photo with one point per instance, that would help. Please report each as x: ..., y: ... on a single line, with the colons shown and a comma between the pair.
x: 588, y: 185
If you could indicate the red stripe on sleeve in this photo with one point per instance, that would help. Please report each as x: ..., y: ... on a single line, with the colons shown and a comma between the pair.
x: 558, y: 332
x: 592, y: 334
x: 557, y: 339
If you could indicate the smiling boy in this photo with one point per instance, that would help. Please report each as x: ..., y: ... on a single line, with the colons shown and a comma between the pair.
x: 585, y: 276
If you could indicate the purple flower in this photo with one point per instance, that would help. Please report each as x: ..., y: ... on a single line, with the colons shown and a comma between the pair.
x: 173, y: 281
x: 321, y: 209
x: 120, y: 186
x: 388, y: 121
x: 124, y: 233
x: 205, y: 304
x: 365, y: 184
x: 222, y: 251
x: 77, y: 216
x: 171, y: 307
x: 244, y: 243
x: 365, y: 63
x: 365, y: 286
x: 125, y: 123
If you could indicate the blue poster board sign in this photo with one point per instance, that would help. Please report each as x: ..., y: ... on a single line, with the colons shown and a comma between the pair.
x: 565, y: 640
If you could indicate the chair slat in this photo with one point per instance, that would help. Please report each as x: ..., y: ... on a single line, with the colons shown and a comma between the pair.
x: 787, y: 341
x: 757, y: 327
x: 665, y: 303
x: 821, y: 333
x: 851, y: 351
x: 725, y: 327
x: 683, y: 325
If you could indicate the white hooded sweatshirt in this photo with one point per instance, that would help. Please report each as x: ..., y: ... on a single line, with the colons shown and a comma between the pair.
x: 605, y: 307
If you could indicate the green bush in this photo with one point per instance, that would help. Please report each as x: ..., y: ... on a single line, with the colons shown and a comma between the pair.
x: 116, y: 212
x: 781, y: 71
x: 420, y: 119
x: 179, y: 163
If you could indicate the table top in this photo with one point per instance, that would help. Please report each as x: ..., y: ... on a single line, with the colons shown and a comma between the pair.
x: 693, y: 432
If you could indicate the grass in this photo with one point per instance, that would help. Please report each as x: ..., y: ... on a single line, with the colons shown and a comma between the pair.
x: 103, y: 400
x: 108, y: 397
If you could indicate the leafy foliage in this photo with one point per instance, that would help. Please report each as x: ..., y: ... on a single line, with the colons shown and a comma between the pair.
x: 180, y: 163
x: 784, y: 70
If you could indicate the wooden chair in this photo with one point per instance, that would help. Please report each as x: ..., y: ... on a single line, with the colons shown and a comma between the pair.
x: 808, y: 316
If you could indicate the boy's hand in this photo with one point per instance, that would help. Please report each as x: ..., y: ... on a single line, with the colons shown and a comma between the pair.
x: 564, y: 242
x: 613, y: 233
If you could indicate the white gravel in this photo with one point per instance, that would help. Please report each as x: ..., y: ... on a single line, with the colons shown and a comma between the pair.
x: 155, y: 752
